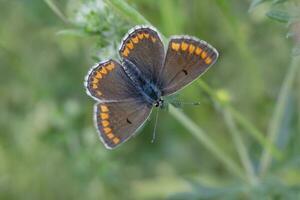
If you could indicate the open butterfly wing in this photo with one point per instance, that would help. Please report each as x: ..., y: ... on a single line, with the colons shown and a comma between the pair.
x: 107, y: 81
x: 144, y: 48
x: 121, y: 109
x: 116, y: 122
x: 187, y: 58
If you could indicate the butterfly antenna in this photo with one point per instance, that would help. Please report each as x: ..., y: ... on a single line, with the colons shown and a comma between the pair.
x: 191, y: 103
x: 155, y: 126
x: 180, y: 104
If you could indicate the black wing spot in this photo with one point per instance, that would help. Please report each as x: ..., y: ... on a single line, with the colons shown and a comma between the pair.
x: 185, y: 72
x: 128, y: 121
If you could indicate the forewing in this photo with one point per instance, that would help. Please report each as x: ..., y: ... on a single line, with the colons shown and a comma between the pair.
x: 107, y: 81
x: 186, y: 59
x: 143, y: 47
x: 116, y: 122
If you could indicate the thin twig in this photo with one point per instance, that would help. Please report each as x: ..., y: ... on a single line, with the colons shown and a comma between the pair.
x: 241, y: 148
x: 206, y: 141
x: 127, y: 11
x: 243, y: 121
x: 56, y: 10
x: 278, y: 114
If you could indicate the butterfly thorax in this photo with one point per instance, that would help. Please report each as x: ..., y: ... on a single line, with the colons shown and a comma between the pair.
x: 144, y: 85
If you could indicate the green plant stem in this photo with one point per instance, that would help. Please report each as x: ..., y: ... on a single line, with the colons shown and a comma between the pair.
x: 298, y: 99
x: 239, y: 40
x: 127, y: 11
x: 241, y: 148
x: 278, y: 114
x: 56, y: 10
x: 252, y: 130
x: 206, y: 141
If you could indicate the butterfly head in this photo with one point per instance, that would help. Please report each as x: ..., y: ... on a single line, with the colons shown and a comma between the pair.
x: 159, y: 103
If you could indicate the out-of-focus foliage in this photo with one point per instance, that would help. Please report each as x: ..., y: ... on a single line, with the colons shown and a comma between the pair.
x: 49, y: 148
x: 287, y: 11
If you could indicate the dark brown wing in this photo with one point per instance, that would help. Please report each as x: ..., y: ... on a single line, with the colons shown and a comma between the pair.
x: 107, y: 81
x: 144, y: 48
x: 187, y: 58
x: 116, y: 122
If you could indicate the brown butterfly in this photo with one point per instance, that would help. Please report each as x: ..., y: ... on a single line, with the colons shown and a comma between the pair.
x: 126, y: 91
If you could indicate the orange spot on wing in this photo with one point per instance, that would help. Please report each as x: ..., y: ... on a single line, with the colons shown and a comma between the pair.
x: 184, y: 46
x: 125, y: 52
x: 94, y: 86
x: 98, y: 93
x: 208, y: 60
x: 98, y: 75
x: 129, y: 44
x: 104, y: 108
x: 146, y: 35
x: 110, y: 66
x: 104, y: 115
x: 198, y: 51
x: 105, y: 123
x: 110, y: 136
x: 107, y: 130
x: 203, y: 54
x: 103, y: 70
x: 135, y: 39
x: 95, y: 80
x: 175, y: 46
x: 191, y: 49
x: 116, y: 140
x: 153, y: 39
x: 141, y: 36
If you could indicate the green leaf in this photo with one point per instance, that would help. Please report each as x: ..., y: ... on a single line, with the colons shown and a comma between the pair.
x: 279, y: 15
x: 72, y: 32
x: 256, y: 3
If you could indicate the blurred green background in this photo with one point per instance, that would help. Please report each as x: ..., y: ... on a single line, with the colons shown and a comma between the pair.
x: 49, y: 148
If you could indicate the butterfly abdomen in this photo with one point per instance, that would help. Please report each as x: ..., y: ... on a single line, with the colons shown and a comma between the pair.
x: 145, y: 86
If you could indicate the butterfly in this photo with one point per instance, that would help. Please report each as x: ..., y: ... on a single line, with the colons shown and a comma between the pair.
x: 126, y: 91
